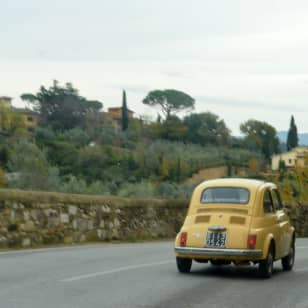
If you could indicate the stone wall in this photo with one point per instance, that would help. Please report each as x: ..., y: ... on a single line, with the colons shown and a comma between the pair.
x: 31, y: 219
x: 298, y: 214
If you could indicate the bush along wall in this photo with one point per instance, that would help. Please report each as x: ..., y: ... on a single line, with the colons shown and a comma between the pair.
x: 29, y: 219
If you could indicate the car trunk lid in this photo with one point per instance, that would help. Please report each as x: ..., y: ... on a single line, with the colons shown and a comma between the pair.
x: 211, y: 224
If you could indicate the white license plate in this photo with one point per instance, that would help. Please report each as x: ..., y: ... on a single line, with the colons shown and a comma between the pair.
x: 216, y: 239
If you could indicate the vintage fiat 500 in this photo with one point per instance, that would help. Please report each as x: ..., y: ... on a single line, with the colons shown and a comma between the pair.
x: 237, y: 221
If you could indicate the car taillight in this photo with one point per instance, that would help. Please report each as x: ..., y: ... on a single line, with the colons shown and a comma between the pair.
x: 252, y: 239
x: 183, y: 238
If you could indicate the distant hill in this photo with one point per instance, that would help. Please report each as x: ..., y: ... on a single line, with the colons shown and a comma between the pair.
x: 303, y: 137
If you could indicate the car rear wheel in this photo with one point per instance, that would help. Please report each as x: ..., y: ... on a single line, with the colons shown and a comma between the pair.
x: 287, y: 262
x: 183, y: 264
x: 266, y: 266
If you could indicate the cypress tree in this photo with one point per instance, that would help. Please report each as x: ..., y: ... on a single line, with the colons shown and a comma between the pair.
x: 124, y: 118
x: 292, y: 139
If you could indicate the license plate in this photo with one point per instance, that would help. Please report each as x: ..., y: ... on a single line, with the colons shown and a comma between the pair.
x: 216, y: 239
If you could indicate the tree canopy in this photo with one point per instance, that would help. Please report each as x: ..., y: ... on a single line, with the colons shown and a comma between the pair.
x: 260, y: 136
x: 206, y: 128
x: 61, y: 107
x: 124, y: 118
x: 169, y: 101
x: 292, y: 138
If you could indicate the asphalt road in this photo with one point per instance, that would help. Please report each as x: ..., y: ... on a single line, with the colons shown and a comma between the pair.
x: 141, y: 275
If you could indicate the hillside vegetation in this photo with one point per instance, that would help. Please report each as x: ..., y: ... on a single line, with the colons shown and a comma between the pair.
x: 74, y: 149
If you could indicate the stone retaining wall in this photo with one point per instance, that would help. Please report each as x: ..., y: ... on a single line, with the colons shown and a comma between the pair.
x: 298, y: 214
x: 35, y: 218
x: 29, y: 219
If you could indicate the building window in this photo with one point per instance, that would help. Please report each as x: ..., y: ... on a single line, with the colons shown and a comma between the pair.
x: 30, y: 119
x: 290, y: 161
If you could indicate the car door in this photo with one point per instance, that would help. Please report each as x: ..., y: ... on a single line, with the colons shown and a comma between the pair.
x: 271, y: 221
x: 283, y: 222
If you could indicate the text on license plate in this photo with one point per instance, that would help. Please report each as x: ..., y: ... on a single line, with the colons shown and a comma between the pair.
x: 216, y: 239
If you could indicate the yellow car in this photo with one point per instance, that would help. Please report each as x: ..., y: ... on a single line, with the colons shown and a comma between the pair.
x: 236, y: 220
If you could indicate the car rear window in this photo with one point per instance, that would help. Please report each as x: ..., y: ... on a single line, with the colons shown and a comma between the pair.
x: 236, y: 195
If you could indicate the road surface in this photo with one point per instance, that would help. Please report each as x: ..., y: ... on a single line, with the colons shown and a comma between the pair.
x: 139, y: 276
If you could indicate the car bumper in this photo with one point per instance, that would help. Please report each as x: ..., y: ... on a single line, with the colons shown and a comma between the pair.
x: 218, y: 252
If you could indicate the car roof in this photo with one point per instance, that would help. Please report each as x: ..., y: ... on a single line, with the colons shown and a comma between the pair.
x: 250, y: 184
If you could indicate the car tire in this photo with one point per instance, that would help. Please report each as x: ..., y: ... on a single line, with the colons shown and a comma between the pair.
x: 287, y: 262
x: 183, y: 264
x: 266, y: 266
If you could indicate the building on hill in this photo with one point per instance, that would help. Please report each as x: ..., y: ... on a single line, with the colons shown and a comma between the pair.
x: 297, y: 157
x: 6, y: 99
x: 114, y: 116
x: 29, y: 117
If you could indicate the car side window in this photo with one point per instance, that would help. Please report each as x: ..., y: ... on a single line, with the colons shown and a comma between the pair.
x: 276, y: 200
x: 268, y: 203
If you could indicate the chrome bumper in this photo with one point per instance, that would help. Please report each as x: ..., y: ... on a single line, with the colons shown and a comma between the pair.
x: 218, y: 252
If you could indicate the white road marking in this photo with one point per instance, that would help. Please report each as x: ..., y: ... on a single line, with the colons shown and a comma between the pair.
x: 301, y: 247
x: 116, y: 270
x: 28, y: 251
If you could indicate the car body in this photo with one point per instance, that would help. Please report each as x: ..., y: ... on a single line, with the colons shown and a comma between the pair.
x: 236, y: 220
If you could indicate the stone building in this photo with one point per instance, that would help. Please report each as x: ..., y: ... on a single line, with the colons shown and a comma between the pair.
x: 29, y: 117
x: 114, y: 116
x: 6, y: 99
x: 297, y: 157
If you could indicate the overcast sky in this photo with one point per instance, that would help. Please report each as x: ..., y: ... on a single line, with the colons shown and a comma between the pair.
x: 240, y: 59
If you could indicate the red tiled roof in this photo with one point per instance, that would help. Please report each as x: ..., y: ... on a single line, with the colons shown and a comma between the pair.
x: 119, y: 108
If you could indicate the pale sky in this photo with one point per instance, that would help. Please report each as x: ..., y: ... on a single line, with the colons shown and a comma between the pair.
x: 240, y: 59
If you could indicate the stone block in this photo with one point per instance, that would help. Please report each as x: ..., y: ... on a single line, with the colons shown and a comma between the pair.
x: 75, y: 224
x: 26, y: 215
x: 28, y: 226
x: 3, y: 230
x: 90, y: 225
x: 26, y: 242
x: 104, y: 235
x: 47, y: 212
x: 53, y: 221
x: 99, y: 233
x: 72, y: 210
x: 82, y: 225
x: 64, y: 218
x: 12, y: 216
x: 34, y: 214
x: 115, y: 234
x: 105, y: 209
x: 116, y: 223
x: 3, y: 241
x: 92, y: 213
x: 68, y: 240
